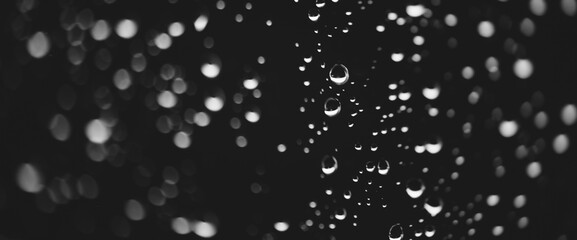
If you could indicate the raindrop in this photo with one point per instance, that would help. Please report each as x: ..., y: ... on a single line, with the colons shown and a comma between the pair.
x: 561, y: 143
x: 341, y: 214
x: 100, y: 31
x: 523, y: 68
x: 433, y: 205
x: 332, y: 107
x: 60, y: 127
x: 134, y: 210
x: 29, y: 178
x: 569, y: 114
x: 339, y: 74
x: 97, y: 131
x: 508, y: 128
x: 486, y: 29
x: 201, y: 23
x: 415, y: 10
x: 370, y: 166
x: 415, y: 188
x: 383, y: 167
x: 329, y: 164
x: 126, y: 28
x: 176, y: 29
x: 203, y: 229
x: 281, y: 226
x: 396, y: 232
x: 38, y: 45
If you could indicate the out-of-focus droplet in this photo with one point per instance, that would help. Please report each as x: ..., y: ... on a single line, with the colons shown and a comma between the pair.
x: 60, y: 127
x: 163, y: 41
x: 201, y: 22
x: 533, y: 169
x: 166, y: 99
x: 98, y: 131
x: 252, y: 116
x: 538, y: 7
x: 493, y: 200
x: 432, y: 93
x: 181, y: 140
x: 126, y: 28
x: 329, y: 164
x: 415, y: 188
x: 203, y: 229
x: 569, y: 114
x: 332, y: 107
x: 415, y: 10
x: 560, y: 143
x: 100, y: 30
x: 214, y: 103
x: 541, y: 120
x: 38, y: 45
x: 339, y: 74
x: 180, y: 225
x: 281, y: 226
x: 396, y: 232
x: 176, y: 29
x: 250, y: 83
x: 29, y: 178
x: 211, y: 69
x: 508, y: 128
x: 451, y: 20
x: 201, y: 119
x: 122, y: 79
x: 569, y: 7
x: 519, y: 201
x: 134, y: 210
x: 523, y: 68
x: 486, y: 29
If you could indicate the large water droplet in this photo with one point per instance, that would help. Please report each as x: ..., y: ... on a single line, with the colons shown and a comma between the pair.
x: 339, y: 74
x: 396, y: 232
x: 415, y: 188
x: 329, y: 164
x: 341, y: 214
x: 383, y: 167
x: 29, y: 178
x: 433, y: 205
x: 332, y: 107
x: 38, y: 45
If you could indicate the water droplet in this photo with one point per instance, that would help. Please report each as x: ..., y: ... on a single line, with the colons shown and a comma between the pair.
x: 561, y: 143
x: 383, y: 167
x: 60, y: 127
x: 538, y: 7
x: 415, y: 188
x: 329, y: 164
x: 126, y: 28
x: 569, y: 7
x: 166, y: 99
x: 332, y: 107
x: 38, y: 45
x: 415, y: 10
x: 100, y: 31
x: 370, y: 166
x: 433, y: 205
x: 281, y: 226
x: 508, y: 128
x: 347, y: 194
x: 314, y: 14
x: 203, y: 229
x: 486, y: 29
x: 97, y: 131
x: 341, y: 214
x: 523, y: 68
x: 569, y: 114
x: 493, y: 200
x: 200, y: 23
x: 134, y: 210
x: 396, y: 232
x: 180, y: 225
x: 29, y: 178
x: 176, y: 29
x: 339, y: 74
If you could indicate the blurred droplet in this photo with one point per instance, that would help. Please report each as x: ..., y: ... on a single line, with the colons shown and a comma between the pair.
x: 60, y: 127
x: 134, y: 210
x: 126, y: 28
x: 29, y: 178
x: 38, y: 45
x: 97, y: 131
